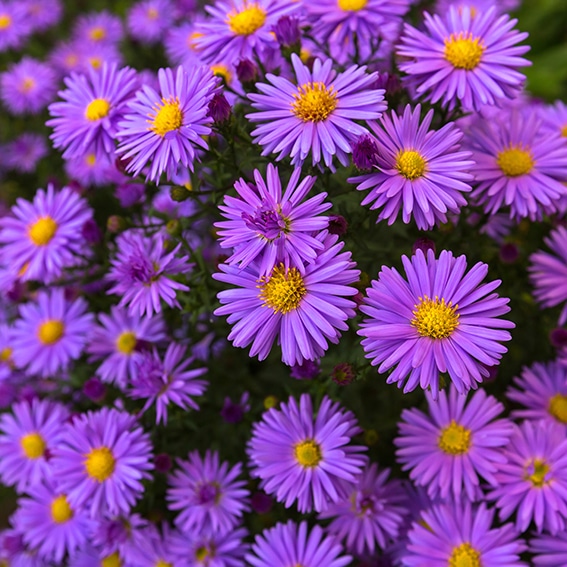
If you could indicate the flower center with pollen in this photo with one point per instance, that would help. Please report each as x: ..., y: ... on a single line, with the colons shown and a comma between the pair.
x: 410, y: 164
x: 536, y: 472
x: 308, y: 453
x: 97, y: 34
x: 282, y: 290
x: 247, y: 21
x: 50, y: 331
x: 268, y: 223
x: 163, y: 563
x: 126, y: 342
x: 351, y: 5
x: 454, y: 439
x: 465, y: 555
x: 558, y: 407
x: 33, y: 445
x: 462, y: 51
x: 314, y: 102
x: 515, y: 161
x: 434, y: 318
x: 168, y: 117
x: 100, y: 463
x: 97, y: 109
x: 112, y: 560
x: 5, y: 21
x: 42, y: 231
x: 60, y: 510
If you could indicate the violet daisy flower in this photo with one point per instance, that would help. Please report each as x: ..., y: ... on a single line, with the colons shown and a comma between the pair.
x: 149, y: 20
x: 477, y: 6
x: 87, y: 119
x: 533, y: 480
x: 317, y: 114
x: 42, y: 14
x: 208, y: 494
x: 98, y: 27
x: 179, y: 43
x: 373, y: 513
x: 303, y: 308
x: 94, y: 170
x: 27, y: 439
x: 440, y: 320
x: 463, y: 58
x: 458, y: 442
x: 167, y: 381
x: 118, y: 339
x: 141, y: 272
x: 542, y: 391
x: 420, y: 171
x: 14, y: 552
x: 518, y: 165
x: 293, y: 544
x: 42, y: 238
x: 101, y: 460
x: 549, y: 550
x: 24, y: 153
x: 155, y: 548
x: 303, y: 458
x: 460, y: 534
x: 50, y: 333
x: 15, y: 26
x: 262, y: 222
x: 177, y: 122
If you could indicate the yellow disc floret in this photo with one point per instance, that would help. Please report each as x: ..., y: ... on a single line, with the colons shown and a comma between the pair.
x: 60, y: 510
x: 434, y: 318
x: 50, y: 331
x: 282, y: 290
x: 247, y: 21
x: 97, y: 109
x: 97, y: 34
x: 111, y: 560
x: 126, y: 342
x: 163, y: 563
x: 455, y: 439
x: 222, y: 71
x: 33, y: 445
x: 558, y: 407
x: 5, y: 21
x: 314, y: 102
x: 515, y: 161
x: 410, y: 164
x: 42, y: 231
x: 168, y: 117
x: 100, y: 463
x: 462, y: 51
x: 308, y: 453
x: 351, y: 5
x: 465, y: 555
x: 536, y: 472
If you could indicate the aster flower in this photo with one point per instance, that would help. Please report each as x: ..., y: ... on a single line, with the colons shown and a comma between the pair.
x: 420, y: 171
x: 461, y: 534
x: 533, y: 480
x: 296, y: 544
x: 549, y: 550
x: 141, y: 272
x: 155, y: 548
x: 28, y: 436
x: 306, y: 459
x: 473, y: 60
x: 86, y: 121
x: 14, y: 25
x: 42, y: 14
x: 118, y: 339
x: 101, y: 460
x: 316, y: 115
x: 14, y: 552
x: 23, y: 153
x: 179, y: 44
x: 148, y: 20
x: 178, y: 122
x: 554, y: 117
x: 262, y: 222
x: 440, y: 320
x: 121, y: 535
x: 477, y: 6
x: 41, y: 239
x: 458, y: 442
x: 208, y: 494
x: 50, y: 333
x: 94, y: 169
x: 373, y: 513
x: 167, y: 381
x: 27, y: 86
x: 303, y: 308
x: 98, y: 27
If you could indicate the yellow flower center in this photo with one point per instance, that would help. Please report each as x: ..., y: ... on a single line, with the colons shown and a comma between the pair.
x: 100, y: 463
x: 304, y: 55
x: 434, y: 318
x: 536, y: 471
x: 50, y: 331
x: 308, y: 453
x: 202, y: 553
x: 111, y: 560
x: 27, y: 85
x: 282, y: 290
x: 314, y: 102
x: 252, y: 18
x: 465, y: 555
x: 191, y: 43
x: 42, y: 231
x: 60, y: 510
x: 515, y: 161
x: 98, y: 33
x: 557, y: 406
x: 6, y: 354
x: 351, y: 5
x: 462, y: 51
x: 95, y: 62
x: 126, y: 342
x: 152, y: 14
x: 168, y: 117
x: 97, y: 109
x: 5, y: 21
x: 410, y: 164
x: 90, y: 159
x: 564, y: 131
x: 222, y: 71
x: 33, y: 445
x: 454, y: 439
x: 163, y: 563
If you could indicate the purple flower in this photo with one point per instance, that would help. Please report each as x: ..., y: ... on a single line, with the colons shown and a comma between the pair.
x: 262, y: 224
x: 24, y: 153
x: 180, y: 45
x: 208, y: 494
x: 42, y: 14
x: 155, y: 548
x: 177, y: 122
x: 316, y: 115
x: 549, y: 550
x: 303, y: 458
x: 122, y: 535
x: 440, y: 320
x: 308, y: 370
x: 476, y: 6
x: 365, y: 152
x: 148, y: 20
x: 98, y: 27
x: 304, y: 308
x: 101, y: 460
x: 233, y: 412
x: 420, y: 171
x: 94, y: 170
x: 15, y: 26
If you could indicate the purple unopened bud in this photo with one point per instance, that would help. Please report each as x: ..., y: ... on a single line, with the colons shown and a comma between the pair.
x: 389, y: 82
x: 219, y: 109
x: 287, y: 31
x: 162, y: 463
x: 558, y: 337
x: 246, y: 71
x: 306, y: 371
x: 129, y: 194
x: 509, y: 253
x: 94, y: 389
x: 492, y: 373
x: 261, y: 503
x: 423, y: 244
x: 91, y: 232
x: 337, y: 224
x: 233, y: 412
x: 364, y: 153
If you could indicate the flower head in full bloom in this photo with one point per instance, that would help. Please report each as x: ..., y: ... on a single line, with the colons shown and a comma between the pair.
x: 464, y: 58
x: 316, y: 115
x: 98, y: 27
x: 277, y: 228
x: 458, y: 442
x: 15, y: 26
x: 149, y: 20
x: 177, y: 122
x: 304, y: 308
x: 439, y: 320
x: 24, y: 152
x: 420, y: 172
x: 306, y: 459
